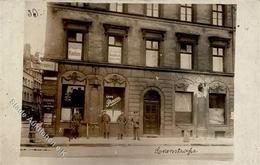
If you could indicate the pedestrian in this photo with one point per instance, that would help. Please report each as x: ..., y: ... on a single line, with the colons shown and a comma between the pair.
x: 105, y: 120
x: 121, y: 123
x: 136, y: 125
x: 76, y: 120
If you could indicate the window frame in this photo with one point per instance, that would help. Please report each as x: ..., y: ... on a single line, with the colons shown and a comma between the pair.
x: 122, y: 47
x: 123, y: 7
x: 192, y: 107
x: 218, y: 56
x: 151, y: 49
x: 186, y: 7
x: 82, y: 42
x: 225, y: 109
x: 152, y: 10
x: 190, y: 53
x: 217, y: 14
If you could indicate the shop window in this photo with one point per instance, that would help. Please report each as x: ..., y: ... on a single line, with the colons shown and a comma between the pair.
x: 183, y: 107
x: 218, y: 59
x: 186, y: 53
x: 217, y: 14
x: 152, y: 10
x: 117, y: 7
x: 152, y: 53
x: 115, y: 49
x: 75, y: 45
x: 186, y: 12
x: 114, y: 101
x: 216, y: 108
x: 73, y: 97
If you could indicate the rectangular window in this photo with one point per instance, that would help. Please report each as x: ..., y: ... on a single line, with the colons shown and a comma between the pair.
x: 73, y: 97
x: 217, y: 14
x: 218, y: 59
x: 114, y: 101
x: 78, y: 4
x: 75, y: 45
x: 183, y: 107
x: 186, y: 52
x: 117, y: 7
x: 152, y: 53
x: 115, y: 49
x: 186, y: 12
x: 152, y: 10
x: 217, y: 108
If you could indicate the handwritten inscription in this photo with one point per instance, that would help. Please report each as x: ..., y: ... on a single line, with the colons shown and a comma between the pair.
x: 34, y: 13
x: 162, y: 151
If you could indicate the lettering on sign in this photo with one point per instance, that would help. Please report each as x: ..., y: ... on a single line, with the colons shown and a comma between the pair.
x: 112, y: 102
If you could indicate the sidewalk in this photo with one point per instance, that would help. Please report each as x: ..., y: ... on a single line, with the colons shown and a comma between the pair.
x: 128, y: 141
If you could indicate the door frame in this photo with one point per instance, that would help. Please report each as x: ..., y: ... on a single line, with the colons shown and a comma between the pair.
x: 156, y: 103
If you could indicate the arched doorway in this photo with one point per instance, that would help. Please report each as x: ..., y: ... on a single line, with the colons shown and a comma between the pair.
x: 151, y: 115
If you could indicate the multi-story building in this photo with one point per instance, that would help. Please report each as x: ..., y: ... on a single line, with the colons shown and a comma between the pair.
x: 173, y: 64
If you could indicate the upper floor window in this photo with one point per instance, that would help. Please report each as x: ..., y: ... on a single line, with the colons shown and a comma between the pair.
x: 186, y: 53
x: 115, y: 47
x: 152, y: 53
x: 186, y: 12
x: 217, y: 14
x: 218, y: 59
x: 152, y: 10
x: 75, y: 45
x: 117, y: 7
x: 77, y: 4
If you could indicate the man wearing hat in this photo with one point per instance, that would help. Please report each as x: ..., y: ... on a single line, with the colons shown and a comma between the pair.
x: 136, y: 125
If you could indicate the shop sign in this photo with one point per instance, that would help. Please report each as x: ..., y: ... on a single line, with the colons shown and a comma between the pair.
x: 112, y: 102
x: 48, y: 103
x: 47, y: 118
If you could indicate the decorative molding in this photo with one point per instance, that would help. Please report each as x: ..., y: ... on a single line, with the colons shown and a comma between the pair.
x: 116, y: 29
x: 114, y: 80
x: 94, y: 80
x: 217, y: 87
x: 73, y: 77
x: 182, y: 84
x: 153, y: 34
x: 79, y: 25
x: 219, y: 41
x: 187, y: 37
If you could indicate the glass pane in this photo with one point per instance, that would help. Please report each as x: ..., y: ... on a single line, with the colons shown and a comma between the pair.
x: 156, y: 13
x: 151, y: 58
x: 80, y: 4
x: 149, y: 6
x: 74, y: 51
x: 183, y: 11
x: 189, y: 11
x: 214, y: 15
x: 155, y: 44
x: 189, y: 18
x: 214, y: 7
x: 189, y: 48
x: 220, y: 51
x: 149, y: 44
x: 183, y: 102
x: 72, y: 36
x: 111, y: 40
x: 114, y: 54
x: 149, y: 12
x: 220, y: 8
x: 220, y: 22
x: 218, y: 64
x: 216, y: 116
x: 112, y: 7
x: 220, y: 16
x: 155, y: 6
x: 215, y: 51
x: 119, y: 7
x: 79, y: 37
x: 186, y: 61
x: 118, y: 41
x: 183, y: 18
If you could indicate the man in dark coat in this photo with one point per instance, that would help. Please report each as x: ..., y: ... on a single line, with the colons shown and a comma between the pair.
x: 105, y: 120
x: 76, y: 119
x: 121, y: 123
x: 136, y: 125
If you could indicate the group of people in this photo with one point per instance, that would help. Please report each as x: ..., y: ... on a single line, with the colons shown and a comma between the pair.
x: 105, y: 121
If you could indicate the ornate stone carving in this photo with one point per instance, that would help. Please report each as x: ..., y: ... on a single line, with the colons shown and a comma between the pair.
x: 182, y: 84
x: 217, y: 87
x: 114, y: 80
x: 73, y: 77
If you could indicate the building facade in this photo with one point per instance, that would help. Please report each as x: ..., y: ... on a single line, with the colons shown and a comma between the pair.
x: 171, y: 63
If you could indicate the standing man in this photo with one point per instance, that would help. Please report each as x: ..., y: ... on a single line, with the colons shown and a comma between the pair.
x: 76, y: 119
x: 105, y: 120
x: 136, y: 125
x: 121, y: 123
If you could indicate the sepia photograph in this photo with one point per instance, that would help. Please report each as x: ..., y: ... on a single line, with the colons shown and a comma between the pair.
x: 128, y: 80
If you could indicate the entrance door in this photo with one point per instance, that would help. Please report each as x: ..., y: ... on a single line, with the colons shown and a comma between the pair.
x: 151, y: 112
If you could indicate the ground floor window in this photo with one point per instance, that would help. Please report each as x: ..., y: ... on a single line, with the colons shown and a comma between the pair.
x: 183, y: 107
x: 73, y: 97
x: 217, y: 108
x: 114, y: 102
